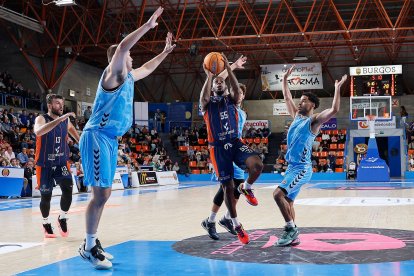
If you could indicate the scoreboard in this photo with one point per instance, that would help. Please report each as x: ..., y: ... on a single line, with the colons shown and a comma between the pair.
x: 376, y: 80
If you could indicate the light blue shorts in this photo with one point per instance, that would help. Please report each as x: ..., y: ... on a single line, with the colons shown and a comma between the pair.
x: 238, y: 173
x: 99, y: 154
x: 296, y: 176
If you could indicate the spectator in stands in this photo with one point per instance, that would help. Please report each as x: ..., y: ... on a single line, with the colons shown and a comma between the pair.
x: 278, y: 166
x: 9, y: 154
x: 23, y: 157
x: 330, y: 167
x: 28, y: 174
x: 87, y: 113
x: 325, y: 137
x: 74, y: 152
x: 31, y: 153
x: 263, y: 148
x: 14, y: 162
x: 4, y: 163
x: 315, y: 145
x: 6, y: 128
x: 144, y: 130
x: 322, y: 166
x: 176, y: 167
x: 325, y: 145
x: 79, y: 174
x: 404, y: 115
x: 163, y: 120
x: 202, y: 132
x: 157, y: 120
x: 3, y: 143
x: 14, y: 137
x: 2, y: 85
x: 332, y: 158
x: 168, y: 163
x: 334, y: 139
x: 24, y: 118
x: 31, y: 119
x: 265, y: 132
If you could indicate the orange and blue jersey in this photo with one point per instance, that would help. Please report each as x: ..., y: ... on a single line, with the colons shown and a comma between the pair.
x: 222, y: 120
x: 52, y: 148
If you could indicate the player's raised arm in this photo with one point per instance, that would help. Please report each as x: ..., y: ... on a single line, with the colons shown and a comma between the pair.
x: 290, y: 104
x: 117, y: 65
x: 326, y: 114
x: 234, y: 83
x: 206, y: 90
x: 41, y: 127
x: 151, y: 65
x: 238, y: 64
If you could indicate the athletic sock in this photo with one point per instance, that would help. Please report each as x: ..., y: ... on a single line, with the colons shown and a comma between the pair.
x: 247, y: 186
x: 63, y: 214
x: 90, y: 241
x: 235, y: 221
x: 212, y: 217
x: 290, y: 224
x: 46, y: 220
x: 227, y: 215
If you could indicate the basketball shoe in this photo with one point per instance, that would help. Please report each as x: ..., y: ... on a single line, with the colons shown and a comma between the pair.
x: 48, y: 230
x: 228, y: 225
x: 210, y: 227
x: 63, y: 227
x: 248, y: 193
x: 95, y: 257
x: 106, y: 254
x: 242, y: 234
x: 289, y: 235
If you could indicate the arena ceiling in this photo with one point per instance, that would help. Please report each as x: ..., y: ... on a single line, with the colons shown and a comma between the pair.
x: 335, y: 33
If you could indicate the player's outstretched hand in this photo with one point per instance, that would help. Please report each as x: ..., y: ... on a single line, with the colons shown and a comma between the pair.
x: 225, y: 60
x: 70, y: 114
x: 208, y: 73
x: 152, y: 22
x: 289, y: 72
x: 240, y: 62
x: 168, y: 46
x: 339, y: 83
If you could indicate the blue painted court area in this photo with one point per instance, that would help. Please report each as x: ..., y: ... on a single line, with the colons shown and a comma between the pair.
x: 15, y: 204
x: 158, y: 258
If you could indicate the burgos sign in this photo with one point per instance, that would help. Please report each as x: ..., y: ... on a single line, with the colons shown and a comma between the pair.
x: 375, y: 70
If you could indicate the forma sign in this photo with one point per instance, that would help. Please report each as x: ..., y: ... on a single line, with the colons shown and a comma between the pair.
x: 375, y: 70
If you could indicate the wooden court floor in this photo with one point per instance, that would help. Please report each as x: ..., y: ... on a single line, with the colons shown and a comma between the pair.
x: 153, y: 215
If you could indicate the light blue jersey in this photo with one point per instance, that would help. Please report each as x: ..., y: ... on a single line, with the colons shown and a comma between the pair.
x: 239, y: 173
x: 112, y: 110
x: 299, y: 140
x: 111, y: 117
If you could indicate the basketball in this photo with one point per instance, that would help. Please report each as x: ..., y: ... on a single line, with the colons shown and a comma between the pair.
x: 214, y: 63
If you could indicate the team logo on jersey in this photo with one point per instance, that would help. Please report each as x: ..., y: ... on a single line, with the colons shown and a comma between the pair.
x: 227, y: 146
x: 5, y: 172
x: 65, y: 171
x: 246, y: 149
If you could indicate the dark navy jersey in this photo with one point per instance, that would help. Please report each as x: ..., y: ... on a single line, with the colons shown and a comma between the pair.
x: 222, y: 119
x: 52, y: 148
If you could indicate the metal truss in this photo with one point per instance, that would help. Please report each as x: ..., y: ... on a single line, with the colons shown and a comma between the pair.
x: 335, y: 33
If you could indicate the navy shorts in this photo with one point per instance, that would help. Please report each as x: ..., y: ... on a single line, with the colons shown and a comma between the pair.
x: 48, y: 177
x: 223, y: 156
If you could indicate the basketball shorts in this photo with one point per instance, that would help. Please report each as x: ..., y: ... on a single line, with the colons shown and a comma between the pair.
x: 48, y: 177
x: 238, y: 173
x: 296, y: 176
x: 223, y: 156
x: 99, y: 154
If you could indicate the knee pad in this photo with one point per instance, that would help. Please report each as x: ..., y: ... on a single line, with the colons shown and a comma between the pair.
x: 219, y: 197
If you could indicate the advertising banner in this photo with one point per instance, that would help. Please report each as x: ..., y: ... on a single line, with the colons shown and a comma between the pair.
x: 304, y: 76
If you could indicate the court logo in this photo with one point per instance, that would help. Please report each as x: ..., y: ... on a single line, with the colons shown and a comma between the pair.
x: 358, y: 71
x: 5, y: 172
x: 317, y: 246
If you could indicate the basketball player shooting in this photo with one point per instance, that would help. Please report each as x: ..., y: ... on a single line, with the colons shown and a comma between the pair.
x: 209, y: 224
x: 301, y: 134
x: 111, y: 117
x: 221, y: 117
